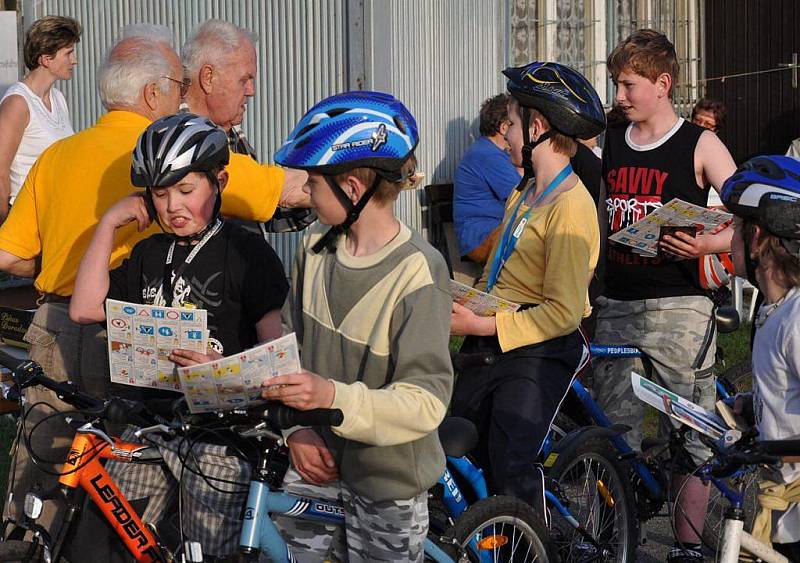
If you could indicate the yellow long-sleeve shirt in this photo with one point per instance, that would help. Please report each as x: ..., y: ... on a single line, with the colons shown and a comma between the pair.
x: 551, y: 266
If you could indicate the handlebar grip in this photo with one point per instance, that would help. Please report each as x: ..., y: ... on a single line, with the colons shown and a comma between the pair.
x: 781, y: 448
x: 9, y: 361
x: 283, y: 417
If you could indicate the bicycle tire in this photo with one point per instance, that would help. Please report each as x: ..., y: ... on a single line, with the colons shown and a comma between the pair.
x: 501, y: 516
x: 15, y: 551
x: 740, y: 376
x: 596, y: 489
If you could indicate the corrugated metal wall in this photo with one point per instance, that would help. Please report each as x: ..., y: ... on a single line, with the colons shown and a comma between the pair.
x: 446, y: 58
x: 302, y: 57
x: 441, y: 58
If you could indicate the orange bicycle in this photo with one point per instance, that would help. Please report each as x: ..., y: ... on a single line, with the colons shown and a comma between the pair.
x: 82, y: 473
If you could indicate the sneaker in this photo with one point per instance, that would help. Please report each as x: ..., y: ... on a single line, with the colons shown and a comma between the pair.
x: 681, y: 555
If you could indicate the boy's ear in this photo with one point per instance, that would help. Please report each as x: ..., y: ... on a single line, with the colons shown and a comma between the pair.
x: 222, y: 178
x: 755, y: 241
x: 663, y: 84
x: 354, y: 188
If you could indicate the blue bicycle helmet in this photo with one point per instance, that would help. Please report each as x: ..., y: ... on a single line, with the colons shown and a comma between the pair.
x: 352, y: 130
x: 563, y: 95
x: 766, y: 190
x: 347, y: 131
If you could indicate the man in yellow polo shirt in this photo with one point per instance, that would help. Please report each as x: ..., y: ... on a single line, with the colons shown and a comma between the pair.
x: 66, y: 192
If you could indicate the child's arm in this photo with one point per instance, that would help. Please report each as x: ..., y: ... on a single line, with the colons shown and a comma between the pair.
x: 92, y: 283
x: 414, y: 402
x: 713, y: 162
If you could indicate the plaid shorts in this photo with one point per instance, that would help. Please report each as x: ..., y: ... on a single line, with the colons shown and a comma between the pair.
x: 212, y: 484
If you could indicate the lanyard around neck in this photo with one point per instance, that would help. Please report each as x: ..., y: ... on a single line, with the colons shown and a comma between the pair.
x: 511, y: 234
x: 170, y: 273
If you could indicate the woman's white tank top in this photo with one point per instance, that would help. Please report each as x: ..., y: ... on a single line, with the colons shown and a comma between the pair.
x: 44, y: 128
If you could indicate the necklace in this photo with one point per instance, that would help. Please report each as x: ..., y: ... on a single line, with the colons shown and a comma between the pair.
x: 768, y: 308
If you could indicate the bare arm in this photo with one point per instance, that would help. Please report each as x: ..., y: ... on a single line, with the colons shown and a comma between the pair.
x: 269, y: 327
x: 92, y: 283
x: 16, y: 265
x: 14, y: 119
x: 714, y: 163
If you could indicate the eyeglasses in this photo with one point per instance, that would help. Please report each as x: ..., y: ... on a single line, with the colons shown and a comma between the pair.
x: 184, y: 84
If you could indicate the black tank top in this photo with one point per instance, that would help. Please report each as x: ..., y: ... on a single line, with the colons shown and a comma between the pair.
x: 637, y: 183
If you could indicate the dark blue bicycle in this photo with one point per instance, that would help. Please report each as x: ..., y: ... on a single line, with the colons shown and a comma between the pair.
x: 577, y: 470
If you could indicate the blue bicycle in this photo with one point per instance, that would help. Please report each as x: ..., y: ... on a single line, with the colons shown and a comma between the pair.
x: 577, y: 469
x: 495, y: 529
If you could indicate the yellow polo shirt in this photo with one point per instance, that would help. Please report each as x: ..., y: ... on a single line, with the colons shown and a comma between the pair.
x: 77, y: 179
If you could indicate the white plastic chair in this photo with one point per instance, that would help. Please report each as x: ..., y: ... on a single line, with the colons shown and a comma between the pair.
x: 738, y: 287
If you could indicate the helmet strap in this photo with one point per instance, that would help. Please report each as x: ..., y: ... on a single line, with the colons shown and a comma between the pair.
x: 328, y: 240
x: 750, y: 264
x: 528, y: 147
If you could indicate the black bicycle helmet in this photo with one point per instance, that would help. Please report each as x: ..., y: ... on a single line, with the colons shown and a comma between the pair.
x: 563, y: 95
x: 172, y: 147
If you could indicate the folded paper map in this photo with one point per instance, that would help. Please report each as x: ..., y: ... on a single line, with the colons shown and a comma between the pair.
x: 235, y: 381
x: 643, y: 235
x: 479, y: 302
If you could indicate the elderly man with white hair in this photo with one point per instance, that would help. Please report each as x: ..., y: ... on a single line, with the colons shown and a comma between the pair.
x: 69, y: 188
x: 220, y: 62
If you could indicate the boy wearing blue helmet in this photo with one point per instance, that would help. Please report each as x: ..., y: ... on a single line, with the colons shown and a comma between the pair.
x: 764, y: 195
x: 371, y: 308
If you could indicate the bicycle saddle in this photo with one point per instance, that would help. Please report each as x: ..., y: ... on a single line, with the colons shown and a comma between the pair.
x: 458, y: 436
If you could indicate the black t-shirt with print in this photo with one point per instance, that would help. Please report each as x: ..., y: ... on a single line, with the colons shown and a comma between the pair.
x: 236, y: 276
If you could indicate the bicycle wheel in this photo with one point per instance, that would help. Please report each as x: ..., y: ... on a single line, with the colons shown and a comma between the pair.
x: 499, y: 528
x: 13, y: 551
x: 594, y: 487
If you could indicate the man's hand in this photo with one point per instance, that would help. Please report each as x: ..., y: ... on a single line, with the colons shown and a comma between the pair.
x: 292, y: 194
x: 311, y: 458
x: 303, y: 391
x: 464, y: 322
x: 130, y: 208
x: 186, y: 358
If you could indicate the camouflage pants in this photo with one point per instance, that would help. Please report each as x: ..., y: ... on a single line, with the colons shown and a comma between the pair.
x: 374, y: 531
x: 671, y: 332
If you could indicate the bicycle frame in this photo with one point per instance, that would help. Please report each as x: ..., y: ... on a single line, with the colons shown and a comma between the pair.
x: 259, y: 533
x: 82, y: 469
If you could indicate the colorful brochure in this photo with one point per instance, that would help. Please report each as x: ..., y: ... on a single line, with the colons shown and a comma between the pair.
x: 235, y: 381
x: 141, y: 338
x: 677, y: 407
x: 643, y: 235
x: 479, y: 302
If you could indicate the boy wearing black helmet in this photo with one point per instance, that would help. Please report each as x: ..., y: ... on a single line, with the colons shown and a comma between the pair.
x: 199, y: 261
x: 764, y: 195
x: 543, y: 260
x: 658, y: 304
x: 370, y: 304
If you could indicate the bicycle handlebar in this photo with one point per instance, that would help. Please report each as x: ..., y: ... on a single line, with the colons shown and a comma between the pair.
x: 122, y: 411
x: 769, y: 452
